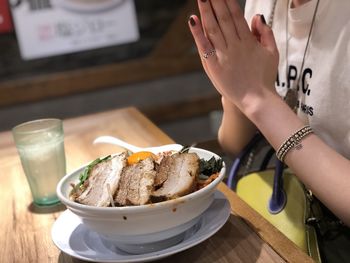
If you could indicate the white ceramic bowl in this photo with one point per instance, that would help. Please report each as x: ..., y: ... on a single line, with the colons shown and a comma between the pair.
x: 145, y: 228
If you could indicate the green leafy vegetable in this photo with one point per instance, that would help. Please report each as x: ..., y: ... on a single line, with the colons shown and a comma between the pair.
x: 211, y: 166
x: 206, y: 167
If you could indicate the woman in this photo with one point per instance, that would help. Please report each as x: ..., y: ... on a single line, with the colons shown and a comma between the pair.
x: 308, y: 65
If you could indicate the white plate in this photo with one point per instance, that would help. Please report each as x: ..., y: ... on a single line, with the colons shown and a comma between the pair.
x: 73, y: 238
x: 87, y: 7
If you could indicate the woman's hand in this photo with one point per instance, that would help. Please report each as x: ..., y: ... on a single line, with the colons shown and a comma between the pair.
x: 240, y: 63
x: 243, y: 69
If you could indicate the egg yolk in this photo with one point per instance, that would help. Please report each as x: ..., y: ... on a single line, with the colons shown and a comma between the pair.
x: 139, y: 156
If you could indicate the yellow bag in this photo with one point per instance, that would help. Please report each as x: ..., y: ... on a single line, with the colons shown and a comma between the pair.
x: 282, y: 200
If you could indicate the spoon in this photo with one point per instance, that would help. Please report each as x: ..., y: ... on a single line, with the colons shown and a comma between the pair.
x: 133, y: 148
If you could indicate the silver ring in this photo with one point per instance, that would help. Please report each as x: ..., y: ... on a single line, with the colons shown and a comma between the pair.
x: 209, y: 53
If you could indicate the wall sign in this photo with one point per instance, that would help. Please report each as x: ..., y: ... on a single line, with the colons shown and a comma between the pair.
x: 52, y: 27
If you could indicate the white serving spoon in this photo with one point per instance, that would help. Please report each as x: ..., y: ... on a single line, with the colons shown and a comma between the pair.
x: 133, y: 148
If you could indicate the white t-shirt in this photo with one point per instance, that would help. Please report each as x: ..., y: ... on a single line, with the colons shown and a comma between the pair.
x: 324, y: 90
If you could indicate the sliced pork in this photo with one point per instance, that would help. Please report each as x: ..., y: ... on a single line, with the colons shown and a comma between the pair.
x: 177, y: 173
x: 162, y: 170
x: 103, y: 175
x: 136, y: 184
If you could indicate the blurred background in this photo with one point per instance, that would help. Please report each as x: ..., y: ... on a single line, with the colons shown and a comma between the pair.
x: 155, y: 68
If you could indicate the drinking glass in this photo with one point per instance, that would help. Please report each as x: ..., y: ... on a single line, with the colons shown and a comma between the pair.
x: 40, y: 144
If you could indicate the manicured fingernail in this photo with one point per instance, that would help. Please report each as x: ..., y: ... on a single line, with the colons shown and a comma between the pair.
x: 263, y: 19
x: 203, y: 1
x: 192, y: 21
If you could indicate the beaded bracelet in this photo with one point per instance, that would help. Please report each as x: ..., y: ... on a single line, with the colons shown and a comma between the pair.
x: 293, y: 141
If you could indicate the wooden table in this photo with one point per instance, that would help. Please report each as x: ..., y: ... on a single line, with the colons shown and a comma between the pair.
x: 25, y: 229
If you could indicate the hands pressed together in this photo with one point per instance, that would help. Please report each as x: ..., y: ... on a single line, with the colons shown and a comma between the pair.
x: 241, y: 63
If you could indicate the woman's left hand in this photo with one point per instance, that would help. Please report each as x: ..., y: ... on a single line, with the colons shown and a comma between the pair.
x: 240, y: 63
